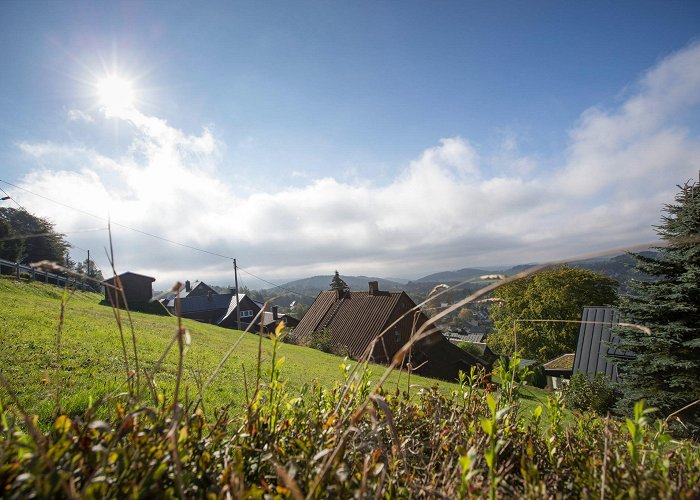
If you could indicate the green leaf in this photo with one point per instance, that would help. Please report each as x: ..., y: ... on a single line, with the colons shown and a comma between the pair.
x: 491, y: 403
x: 537, y: 411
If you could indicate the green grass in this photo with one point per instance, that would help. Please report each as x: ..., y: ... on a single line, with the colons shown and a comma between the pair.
x: 339, y: 441
x: 92, y: 363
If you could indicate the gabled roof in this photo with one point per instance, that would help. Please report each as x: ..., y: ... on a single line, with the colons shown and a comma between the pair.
x: 355, y: 319
x: 440, y: 358
x: 182, y: 293
x: 129, y: 273
x: 231, y: 306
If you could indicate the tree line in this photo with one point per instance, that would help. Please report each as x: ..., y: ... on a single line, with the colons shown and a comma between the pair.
x: 27, y: 238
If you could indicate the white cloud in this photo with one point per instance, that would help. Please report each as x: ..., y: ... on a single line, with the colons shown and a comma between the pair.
x: 452, y: 206
x: 78, y: 115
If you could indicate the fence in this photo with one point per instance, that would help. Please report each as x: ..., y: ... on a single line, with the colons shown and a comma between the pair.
x: 55, y: 279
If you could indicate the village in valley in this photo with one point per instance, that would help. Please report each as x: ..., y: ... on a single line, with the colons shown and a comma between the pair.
x: 374, y: 324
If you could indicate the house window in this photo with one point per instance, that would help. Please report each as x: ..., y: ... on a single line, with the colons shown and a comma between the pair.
x: 246, y: 314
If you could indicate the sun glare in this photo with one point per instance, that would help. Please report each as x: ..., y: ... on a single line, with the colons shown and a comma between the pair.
x: 116, y: 94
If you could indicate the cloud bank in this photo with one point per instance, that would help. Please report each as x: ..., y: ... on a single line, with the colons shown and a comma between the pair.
x: 452, y: 206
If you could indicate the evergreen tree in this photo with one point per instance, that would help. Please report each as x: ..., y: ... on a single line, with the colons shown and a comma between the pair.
x: 338, y: 284
x: 89, y: 268
x: 666, y: 368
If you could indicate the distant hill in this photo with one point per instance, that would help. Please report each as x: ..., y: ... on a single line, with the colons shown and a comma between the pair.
x: 313, y: 285
x: 619, y: 267
x: 452, y: 276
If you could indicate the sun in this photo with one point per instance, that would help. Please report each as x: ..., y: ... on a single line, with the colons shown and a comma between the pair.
x: 116, y: 95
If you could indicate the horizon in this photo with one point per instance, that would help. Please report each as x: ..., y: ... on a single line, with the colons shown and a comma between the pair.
x: 376, y: 139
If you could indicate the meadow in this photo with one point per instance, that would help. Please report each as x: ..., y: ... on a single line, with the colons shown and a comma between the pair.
x: 91, y: 363
x: 284, y: 421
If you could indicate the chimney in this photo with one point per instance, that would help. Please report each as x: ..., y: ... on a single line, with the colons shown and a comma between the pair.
x: 373, y: 287
x: 188, y: 287
x: 209, y: 295
x: 275, y: 314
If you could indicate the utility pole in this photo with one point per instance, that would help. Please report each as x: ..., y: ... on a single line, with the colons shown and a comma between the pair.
x: 238, y: 310
x: 88, y: 264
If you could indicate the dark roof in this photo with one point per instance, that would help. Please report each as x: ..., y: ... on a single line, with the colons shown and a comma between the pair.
x: 596, y: 343
x: 129, y: 273
x: 443, y: 359
x: 356, y: 319
x: 204, y: 303
x: 182, y: 293
x: 268, y: 318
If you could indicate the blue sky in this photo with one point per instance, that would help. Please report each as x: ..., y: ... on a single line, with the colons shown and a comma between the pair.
x: 377, y: 138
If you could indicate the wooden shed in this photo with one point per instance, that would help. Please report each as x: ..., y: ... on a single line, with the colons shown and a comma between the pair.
x: 138, y: 289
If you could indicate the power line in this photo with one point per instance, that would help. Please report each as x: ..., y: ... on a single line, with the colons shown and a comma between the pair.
x: 276, y: 285
x: 145, y: 233
x: 11, y: 198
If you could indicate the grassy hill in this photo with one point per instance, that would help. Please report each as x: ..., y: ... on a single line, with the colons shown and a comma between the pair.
x: 461, y: 443
x: 92, y: 363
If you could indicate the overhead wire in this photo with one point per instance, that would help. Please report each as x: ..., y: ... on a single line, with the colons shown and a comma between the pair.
x: 107, y: 219
x: 276, y: 285
x: 151, y: 235
x: 11, y: 198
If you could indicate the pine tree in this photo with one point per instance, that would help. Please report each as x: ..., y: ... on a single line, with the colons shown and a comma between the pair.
x: 338, y: 284
x: 666, y: 368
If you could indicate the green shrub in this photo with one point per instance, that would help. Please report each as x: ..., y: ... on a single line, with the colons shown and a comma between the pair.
x: 584, y: 394
x: 321, y: 340
x: 537, y: 377
x: 288, y: 337
x: 471, y: 348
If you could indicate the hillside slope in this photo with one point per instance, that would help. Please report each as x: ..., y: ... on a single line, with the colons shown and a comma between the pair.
x: 92, y: 362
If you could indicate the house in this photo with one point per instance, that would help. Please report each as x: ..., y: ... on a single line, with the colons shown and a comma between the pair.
x: 196, y: 289
x: 138, y: 289
x: 595, y: 348
x: 272, y: 318
x: 558, y: 370
x: 356, y: 319
x: 249, y: 313
x: 200, y: 302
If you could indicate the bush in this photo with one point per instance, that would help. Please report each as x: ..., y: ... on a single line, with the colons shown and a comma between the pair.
x: 321, y: 340
x: 584, y: 394
x: 341, y: 350
x: 537, y: 377
x: 470, y: 348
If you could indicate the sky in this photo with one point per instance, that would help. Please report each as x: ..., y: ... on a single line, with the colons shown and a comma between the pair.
x: 390, y: 139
